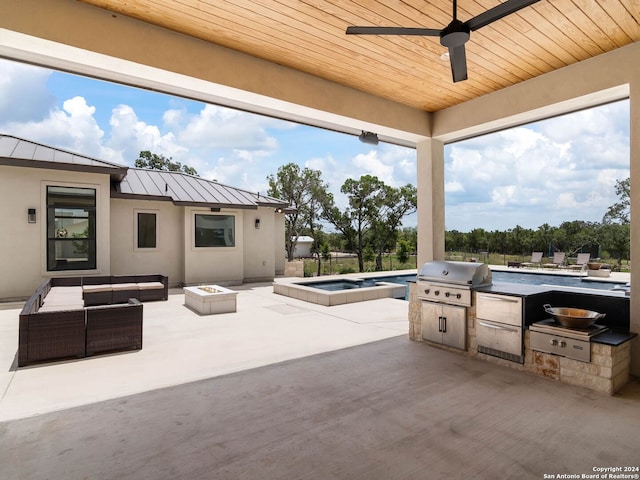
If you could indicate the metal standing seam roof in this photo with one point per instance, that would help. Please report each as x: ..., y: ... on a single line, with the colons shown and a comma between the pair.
x: 184, y: 189
x: 178, y: 187
x: 18, y: 152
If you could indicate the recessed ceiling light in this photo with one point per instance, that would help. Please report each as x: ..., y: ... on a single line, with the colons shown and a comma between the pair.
x: 445, y: 57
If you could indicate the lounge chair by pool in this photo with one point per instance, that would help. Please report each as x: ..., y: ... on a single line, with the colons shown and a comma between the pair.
x: 558, y: 260
x: 581, y: 261
x: 536, y: 260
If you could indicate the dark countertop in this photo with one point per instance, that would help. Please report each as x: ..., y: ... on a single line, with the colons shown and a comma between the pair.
x: 515, y: 289
x: 525, y: 290
x: 613, y: 337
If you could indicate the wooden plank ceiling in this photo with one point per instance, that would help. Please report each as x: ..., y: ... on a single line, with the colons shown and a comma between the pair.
x: 309, y: 35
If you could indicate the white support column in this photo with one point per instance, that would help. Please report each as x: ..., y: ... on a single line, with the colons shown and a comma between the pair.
x: 430, y: 175
x: 634, y: 146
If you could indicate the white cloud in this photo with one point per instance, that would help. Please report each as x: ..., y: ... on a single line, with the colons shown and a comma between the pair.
x: 370, y: 164
x: 544, y: 173
x: 24, y: 96
x: 72, y: 128
x: 173, y: 118
x: 503, y: 195
x: 130, y: 136
x: 218, y: 127
x: 451, y: 187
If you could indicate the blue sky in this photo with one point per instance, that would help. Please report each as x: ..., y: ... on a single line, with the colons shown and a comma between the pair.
x: 560, y: 169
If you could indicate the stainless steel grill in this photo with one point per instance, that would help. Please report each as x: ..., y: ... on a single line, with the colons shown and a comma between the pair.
x: 451, y: 282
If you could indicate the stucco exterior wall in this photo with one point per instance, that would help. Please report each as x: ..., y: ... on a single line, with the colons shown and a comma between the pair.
x: 259, y: 258
x: 168, y: 256
x: 280, y: 253
x: 221, y: 265
x: 23, y: 244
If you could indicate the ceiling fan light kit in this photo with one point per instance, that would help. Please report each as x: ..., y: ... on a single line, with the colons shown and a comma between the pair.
x: 454, y: 35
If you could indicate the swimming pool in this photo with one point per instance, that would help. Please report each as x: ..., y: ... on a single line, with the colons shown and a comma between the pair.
x: 338, y: 291
x: 497, y: 276
x: 546, y: 279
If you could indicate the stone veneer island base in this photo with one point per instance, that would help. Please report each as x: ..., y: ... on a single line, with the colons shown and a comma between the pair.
x: 210, y: 299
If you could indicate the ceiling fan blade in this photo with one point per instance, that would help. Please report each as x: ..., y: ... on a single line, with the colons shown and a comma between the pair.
x: 425, y: 32
x: 497, y: 12
x: 458, y: 59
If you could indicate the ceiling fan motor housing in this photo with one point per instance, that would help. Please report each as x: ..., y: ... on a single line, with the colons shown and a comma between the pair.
x: 455, y: 34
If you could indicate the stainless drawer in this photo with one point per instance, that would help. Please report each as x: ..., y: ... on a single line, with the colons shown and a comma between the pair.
x: 499, y: 337
x: 567, y: 347
x: 499, y: 308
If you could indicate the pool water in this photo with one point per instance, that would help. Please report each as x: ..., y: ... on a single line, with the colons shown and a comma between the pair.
x: 497, y: 276
x: 542, y: 279
x: 336, y: 285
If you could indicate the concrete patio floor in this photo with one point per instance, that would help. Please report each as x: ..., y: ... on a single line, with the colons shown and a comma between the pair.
x: 181, y: 346
x: 286, y: 389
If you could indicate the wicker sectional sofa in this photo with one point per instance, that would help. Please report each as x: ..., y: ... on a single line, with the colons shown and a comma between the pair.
x: 61, y: 320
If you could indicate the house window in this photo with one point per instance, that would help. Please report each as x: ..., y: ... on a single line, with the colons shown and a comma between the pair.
x: 71, y: 228
x: 215, y: 231
x: 147, y: 230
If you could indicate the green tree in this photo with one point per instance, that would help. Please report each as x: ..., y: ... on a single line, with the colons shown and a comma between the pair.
x: 325, y: 253
x: 477, y: 240
x: 619, y: 212
x: 394, y: 204
x: 154, y: 161
x: 617, y: 223
x: 616, y: 239
x: 402, y: 251
x: 365, y: 198
x: 454, y: 241
x: 305, y: 192
x: 410, y: 235
x: 368, y: 254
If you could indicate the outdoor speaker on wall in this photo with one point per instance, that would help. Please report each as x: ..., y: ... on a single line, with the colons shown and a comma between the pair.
x: 368, y: 137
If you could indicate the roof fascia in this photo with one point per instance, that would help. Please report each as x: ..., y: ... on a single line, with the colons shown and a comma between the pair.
x: 116, y: 173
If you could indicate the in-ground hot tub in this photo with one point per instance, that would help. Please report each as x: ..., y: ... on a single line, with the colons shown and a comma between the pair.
x: 346, y: 289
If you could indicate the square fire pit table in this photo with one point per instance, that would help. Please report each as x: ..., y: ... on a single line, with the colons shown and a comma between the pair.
x: 210, y: 299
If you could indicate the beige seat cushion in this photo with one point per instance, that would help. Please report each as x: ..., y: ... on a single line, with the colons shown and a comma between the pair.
x: 63, y: 296
x: 150, y: 285
x: 124, y: 286
x: 66, y: 290
x: 60, y: 308
x: 97, y: 288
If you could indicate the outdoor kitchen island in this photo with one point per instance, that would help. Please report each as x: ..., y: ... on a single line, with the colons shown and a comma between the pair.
x: 598, y: 361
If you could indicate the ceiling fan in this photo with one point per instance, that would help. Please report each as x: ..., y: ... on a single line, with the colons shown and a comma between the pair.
x: 454, y: 35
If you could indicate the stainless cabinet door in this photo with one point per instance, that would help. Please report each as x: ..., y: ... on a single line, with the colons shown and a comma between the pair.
x: 445, y: 324
x: 455, y: 327
x: 431, y: 321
